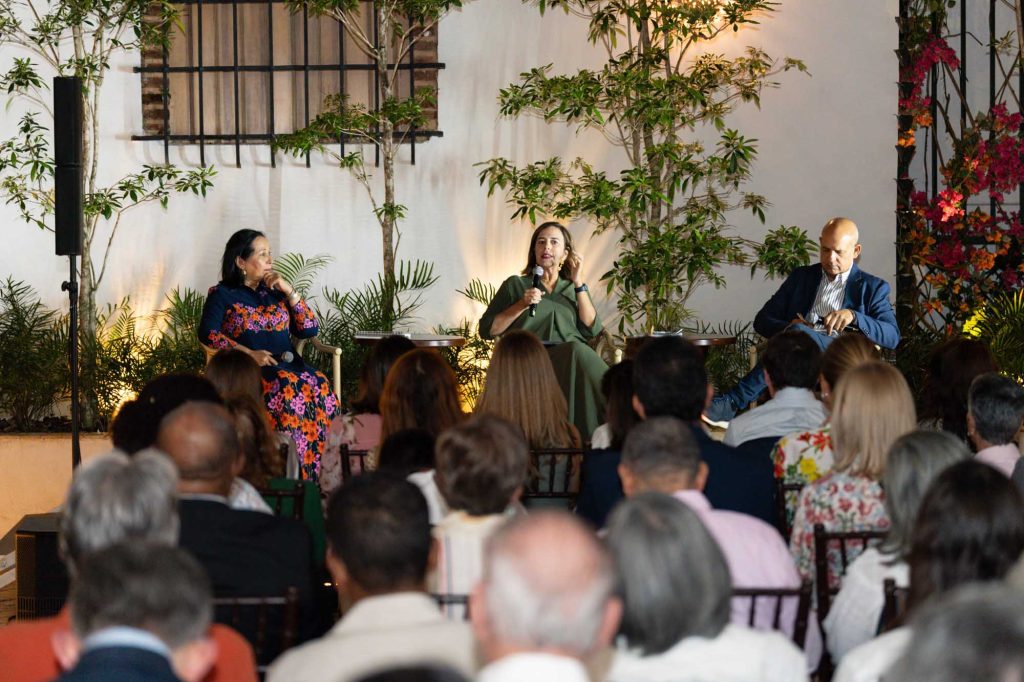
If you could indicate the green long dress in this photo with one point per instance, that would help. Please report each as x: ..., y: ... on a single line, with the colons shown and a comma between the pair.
x: 578, y: 368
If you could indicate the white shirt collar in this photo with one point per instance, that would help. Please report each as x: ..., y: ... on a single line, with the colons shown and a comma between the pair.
x: 120, y: 635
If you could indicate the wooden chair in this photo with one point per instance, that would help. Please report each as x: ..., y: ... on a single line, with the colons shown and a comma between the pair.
x: 784, y: 492
x: 846, y: 541
x: 895, y: 605
x: 270, y: 624
x: 453, y: 605
x: 347, y: 456
x: 552, y: 481
x: 286, y: 500
x: 760, y: 595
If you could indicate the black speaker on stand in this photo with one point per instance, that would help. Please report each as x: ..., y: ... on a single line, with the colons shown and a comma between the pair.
x: 68, y: 225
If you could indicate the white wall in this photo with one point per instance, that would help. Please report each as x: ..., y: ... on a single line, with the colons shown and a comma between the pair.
x: 826, y: 148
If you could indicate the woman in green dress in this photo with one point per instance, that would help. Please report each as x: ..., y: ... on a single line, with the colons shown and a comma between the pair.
x: 565, y: 320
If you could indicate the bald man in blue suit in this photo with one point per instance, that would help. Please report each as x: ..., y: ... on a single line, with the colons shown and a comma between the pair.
x: 822, y: 300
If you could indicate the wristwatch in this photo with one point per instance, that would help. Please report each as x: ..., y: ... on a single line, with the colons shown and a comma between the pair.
x: 581, y: 288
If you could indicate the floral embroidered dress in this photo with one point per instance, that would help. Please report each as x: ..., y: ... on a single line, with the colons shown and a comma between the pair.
x: 801, y: 458
x: 840, y: 502
x: 299, y: 398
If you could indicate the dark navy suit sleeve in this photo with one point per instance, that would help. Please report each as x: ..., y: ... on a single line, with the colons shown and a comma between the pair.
x: 783, y: 306
x: 875, y: 316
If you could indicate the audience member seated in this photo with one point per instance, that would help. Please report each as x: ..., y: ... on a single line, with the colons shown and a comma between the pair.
x: 953, y: 638
x: 791, y: 361
x: 114, y: 499
x: 379, y: 551
x: 952, y: 367
x: 546, y: 602
x: 235, y: 373
x: 359, y: 428
x: 669, y: 380
x: 245, y: 553
x: 970, y: 529
x: 409, y: 453
x: 139, y: 613
x: 521, y: 387
x: 601, y: 488
x: 995, y: 407
x: 137, y: 422
x: 675, y: 587
x: 258, y: 458
x: 481, y: 468
x: 420, y: 392
x: 660, y: 455
x: 913, y: 462
x: 873, y: 408
x: 805, y: 456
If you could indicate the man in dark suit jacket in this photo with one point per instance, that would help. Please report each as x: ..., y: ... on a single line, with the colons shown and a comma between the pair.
x: 669, y: 380
x: 139, y: 613
x: 822, y: 300
x: 245, y: 553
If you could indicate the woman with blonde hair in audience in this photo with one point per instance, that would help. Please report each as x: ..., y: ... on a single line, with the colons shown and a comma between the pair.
x: 521, y: 387
x: 914, y: 461
x: 805, y: 456
x: 872, y: 407
x: 675, y: 590
x: 969, y: 529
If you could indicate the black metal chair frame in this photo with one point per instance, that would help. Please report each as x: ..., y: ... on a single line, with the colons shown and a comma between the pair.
x: 446, y: 600
x: 289, y: 606
x: 803, y: 610
x: 895, y: 605
x: 276, y: 498
x: 557, y: 489
x: 822, y: 540
x: 346, y: 461
x: 782, y: 491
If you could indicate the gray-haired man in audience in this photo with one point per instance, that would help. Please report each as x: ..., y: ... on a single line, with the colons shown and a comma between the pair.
x: 546, y: 601
x: 139, y: 613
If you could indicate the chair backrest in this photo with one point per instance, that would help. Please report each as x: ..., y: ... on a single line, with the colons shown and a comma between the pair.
x: 848, y: 544
x: 286, y: 500
x: 454, y: 606
x: 353, y: 462
x: 771, y: 599
x: 785, y: 493
x: 895, y: 605
x: 270, y: 624
x: 555, y: 475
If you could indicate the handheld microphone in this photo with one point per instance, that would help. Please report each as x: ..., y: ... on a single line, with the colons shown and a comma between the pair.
x: 286, y: 356
x: 537, y: 272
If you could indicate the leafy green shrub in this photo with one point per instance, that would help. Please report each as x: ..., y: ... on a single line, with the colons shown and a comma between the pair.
x: 33, y: 344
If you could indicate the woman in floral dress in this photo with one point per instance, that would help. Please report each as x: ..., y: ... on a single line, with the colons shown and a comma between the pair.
x: 873, y: 407
x: 806, y: 456
x: 257, y: 311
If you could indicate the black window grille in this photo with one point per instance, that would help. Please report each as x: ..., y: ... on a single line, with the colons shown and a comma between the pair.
x: 239, y: 72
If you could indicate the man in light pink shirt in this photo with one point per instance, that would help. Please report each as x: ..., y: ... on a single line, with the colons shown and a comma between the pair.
x: 995, y: 407
x: 661, y: 455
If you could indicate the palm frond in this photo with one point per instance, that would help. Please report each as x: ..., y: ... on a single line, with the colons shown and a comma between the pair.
x: 301, y: 271
x: 479, y: 291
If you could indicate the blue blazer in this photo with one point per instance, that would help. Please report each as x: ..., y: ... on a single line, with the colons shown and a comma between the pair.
x: 866, y: 295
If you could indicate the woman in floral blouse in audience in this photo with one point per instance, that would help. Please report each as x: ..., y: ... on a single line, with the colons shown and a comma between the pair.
x: 872, y: 408
x: 803, y: 457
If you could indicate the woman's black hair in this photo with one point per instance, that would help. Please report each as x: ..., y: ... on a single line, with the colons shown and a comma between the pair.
x: 970, y: 528
x: 531, y: 258
x: 238, y: 246
x: 617, y: 387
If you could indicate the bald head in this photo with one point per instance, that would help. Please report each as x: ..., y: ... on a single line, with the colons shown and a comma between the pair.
x: 839, y: 246
x: 547, y: 586
x: 200, y: 438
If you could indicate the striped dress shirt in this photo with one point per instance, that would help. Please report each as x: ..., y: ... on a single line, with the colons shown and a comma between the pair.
x: 829, y: 297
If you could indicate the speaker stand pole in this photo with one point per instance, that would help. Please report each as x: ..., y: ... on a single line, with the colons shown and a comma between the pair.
x: 71, y: 286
